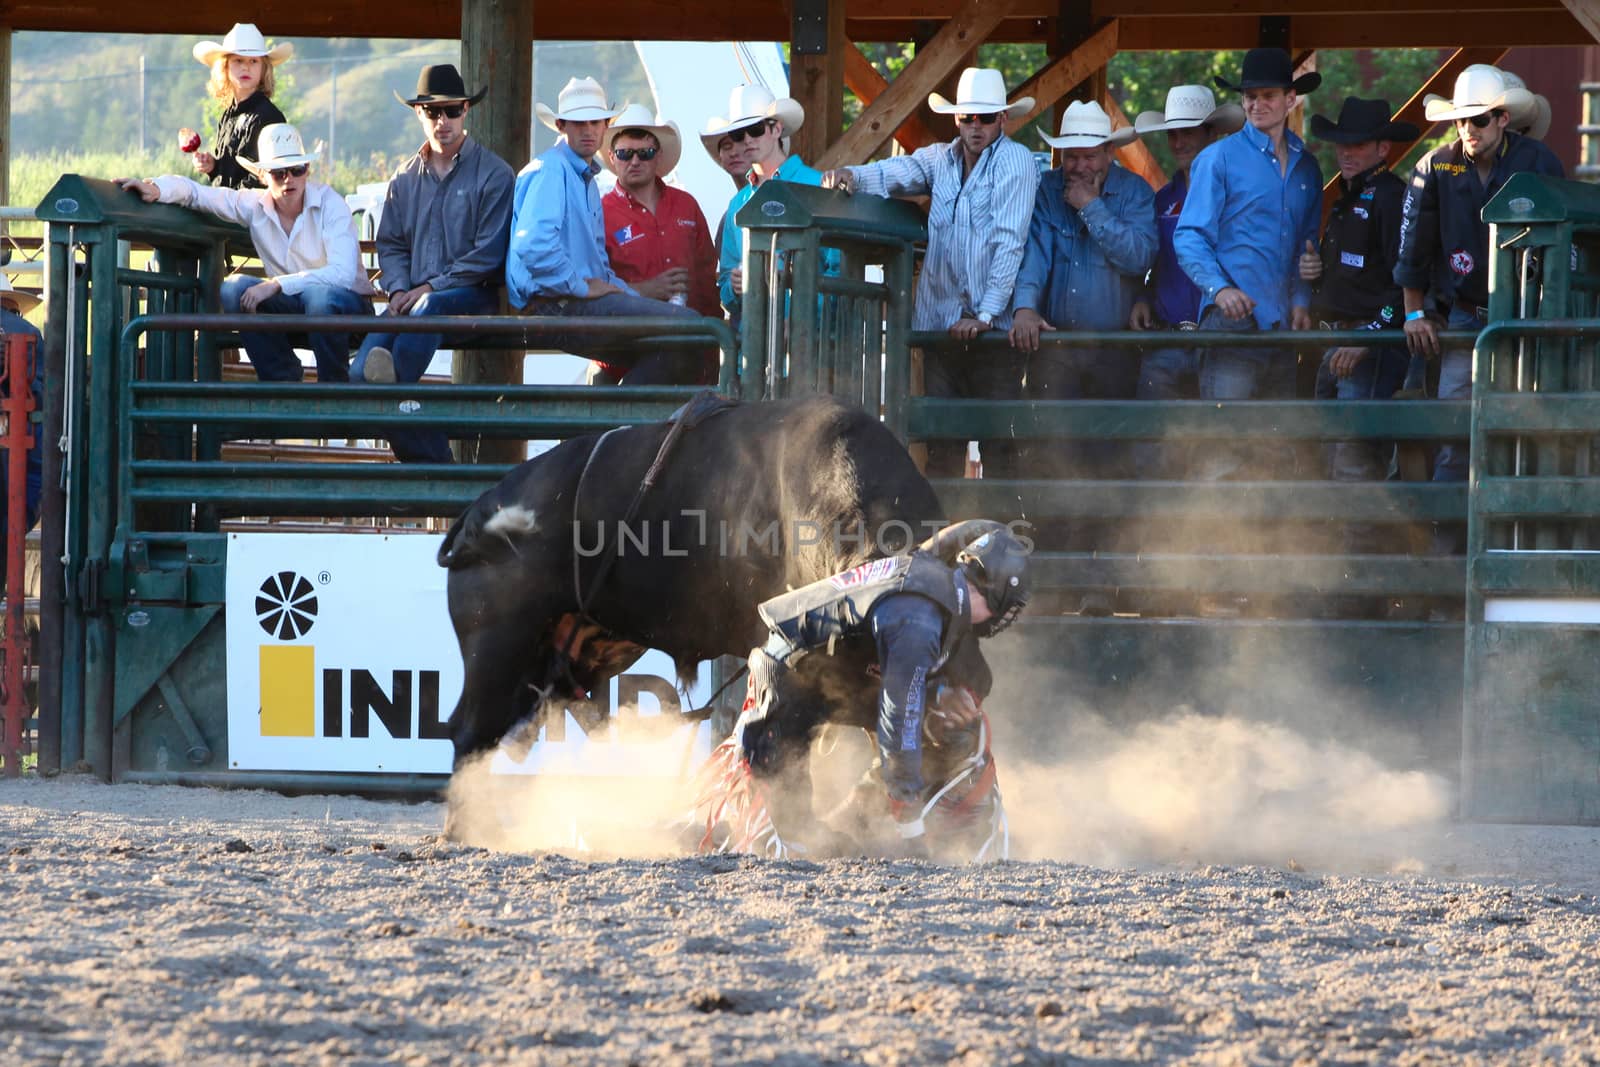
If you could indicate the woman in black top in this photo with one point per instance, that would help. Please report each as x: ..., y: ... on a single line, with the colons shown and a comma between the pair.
x: 242, y: 78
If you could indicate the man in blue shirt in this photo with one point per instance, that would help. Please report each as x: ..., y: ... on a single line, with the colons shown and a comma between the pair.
x: 1255, y: 199
x: 1090, y: 243
x: 557, y: 261
x: 1443, y: 270
x: 1191, y: 120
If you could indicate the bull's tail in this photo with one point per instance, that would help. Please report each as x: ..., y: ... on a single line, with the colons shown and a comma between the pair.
x: 485, y: 532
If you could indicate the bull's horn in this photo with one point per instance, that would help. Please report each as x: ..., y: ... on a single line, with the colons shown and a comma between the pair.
x: 958, y: 535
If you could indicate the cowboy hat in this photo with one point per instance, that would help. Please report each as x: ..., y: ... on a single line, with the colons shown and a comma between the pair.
x: 26, y: 302
x: 1532, y: 121
x: 981, y: 91
x: 441, y: 84
x: 1189, y: 106
x: 243, y: 40
x: 278, y: 146
x: 749, y: 104
x: 1361, y: 121
x: 1270, y: 68
x: 1479, y: 89
x: 638, y: 117
x: 1086, y: 125
x: 580, y: 100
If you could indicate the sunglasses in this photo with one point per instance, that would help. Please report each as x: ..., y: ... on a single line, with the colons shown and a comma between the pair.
x: 449, y: 111
x: 1480, y: 121
x: 285, y: 173
x: 738, y: 136
x: 979, y: 120
x: 626, y: 154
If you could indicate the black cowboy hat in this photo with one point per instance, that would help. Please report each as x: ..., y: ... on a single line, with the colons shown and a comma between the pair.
x: 441, y: 84
x: 1361, y: 121
x: 1270, y: 68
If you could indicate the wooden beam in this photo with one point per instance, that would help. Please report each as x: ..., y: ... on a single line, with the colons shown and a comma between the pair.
x: 817, y: 82
x: 863, y: 79
x: 1059, y: 76
x: 932, y: 63
x: 1587, y: 12
x: 1437, y: 30
x: 1136, y: 156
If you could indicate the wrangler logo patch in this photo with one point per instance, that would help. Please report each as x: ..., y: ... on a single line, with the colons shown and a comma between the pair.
x: 867, y: 572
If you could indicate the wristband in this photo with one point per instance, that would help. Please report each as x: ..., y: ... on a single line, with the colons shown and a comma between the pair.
x: 1413, y: 316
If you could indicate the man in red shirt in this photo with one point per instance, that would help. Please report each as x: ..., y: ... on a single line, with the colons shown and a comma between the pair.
x: 656, y: 237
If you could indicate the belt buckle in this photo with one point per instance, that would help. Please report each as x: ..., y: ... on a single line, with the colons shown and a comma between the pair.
x: 1323, y: 324
x: 1187, y: 325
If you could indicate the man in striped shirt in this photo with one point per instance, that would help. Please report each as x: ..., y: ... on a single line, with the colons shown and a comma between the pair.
x: 982, y: 187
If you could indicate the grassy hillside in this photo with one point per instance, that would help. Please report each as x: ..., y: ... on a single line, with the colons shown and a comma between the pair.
x: 79, y: 102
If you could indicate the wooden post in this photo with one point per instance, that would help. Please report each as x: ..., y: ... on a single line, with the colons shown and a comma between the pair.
x: 1587, y: 12
x: 497, y: 50
x: 5, y: 114
x: 817, y: 81
x: 863, y: 79
x: 1064, y: 73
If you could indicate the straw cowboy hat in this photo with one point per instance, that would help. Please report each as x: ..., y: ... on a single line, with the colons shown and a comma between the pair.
x: 748, y: 105
x: 278, y: 146
x: 1479, y: 89
x: 981, y: 91
x: 1189, y: 106
x: 1361, y: 121
x: 25, y: 302
x: 638, y: 117
x: 1532, y: 120
x: 1086, y: 125
x: 243, y: 40
x: 580, y: 100
x: 1270, y: 68
x: 441, y: 84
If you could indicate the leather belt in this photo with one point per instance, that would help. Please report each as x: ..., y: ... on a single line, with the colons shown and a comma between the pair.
x: 1473, y: 309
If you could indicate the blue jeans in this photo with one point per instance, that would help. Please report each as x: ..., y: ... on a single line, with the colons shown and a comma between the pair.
x: 413, y: 352
x: 1242, y: 374
x: 1377, y: 377
x: 675, y: 366
x: 1165, y: 374
x: 1455, y: 383
x: 272, y: 354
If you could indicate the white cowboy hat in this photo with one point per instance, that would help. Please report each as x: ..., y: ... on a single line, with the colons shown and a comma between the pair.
x: 581, y: 100
x: 1086, y: 125
x: 1479, y: 89
x: 26, y: 302
x: 749, y: 104
x: 981, y: 91
x: 1189, y: 106
x: 638, y: 117
x: 278, y: 146
x: 1532, y: 121
x: 243, y: 40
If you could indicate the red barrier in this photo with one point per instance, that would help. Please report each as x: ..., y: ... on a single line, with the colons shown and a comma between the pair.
x: 17, y: 404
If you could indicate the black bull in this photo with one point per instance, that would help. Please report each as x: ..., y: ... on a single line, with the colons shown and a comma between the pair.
x: 754, y: 500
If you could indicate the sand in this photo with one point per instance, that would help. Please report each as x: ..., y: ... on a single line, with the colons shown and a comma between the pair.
x: 167, y: 925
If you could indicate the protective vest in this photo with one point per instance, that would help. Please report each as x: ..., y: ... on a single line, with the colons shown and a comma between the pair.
x: 838, y: 607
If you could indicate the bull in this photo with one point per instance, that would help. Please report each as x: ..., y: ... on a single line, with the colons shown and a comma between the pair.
x: 581, y: 558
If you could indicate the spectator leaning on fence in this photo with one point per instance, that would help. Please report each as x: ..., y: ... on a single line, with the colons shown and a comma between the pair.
x: 1191, y: 120
x: 242, y: 77
x: 557, y: 263
x: 441, y: 242
x: 1255, y: 198
x: 1444, y: 242
x: 981, y: 186
x: 13, y: 306
x: 306, y: 241
x: 1353, y: 286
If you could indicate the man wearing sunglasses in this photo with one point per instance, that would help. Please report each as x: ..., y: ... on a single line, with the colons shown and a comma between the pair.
x: 306, y: 240
x: 981, y: 187
x: 1443, y: 269
x: 656, y: 237
x: 441, y: 242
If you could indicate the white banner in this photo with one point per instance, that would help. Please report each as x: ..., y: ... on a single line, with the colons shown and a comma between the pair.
x: 341, y: 657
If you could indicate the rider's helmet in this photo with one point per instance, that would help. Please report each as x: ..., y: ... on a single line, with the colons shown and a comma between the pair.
x: 996, y: 565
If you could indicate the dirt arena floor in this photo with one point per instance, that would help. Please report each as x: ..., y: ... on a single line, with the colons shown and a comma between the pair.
x: 163, y: 925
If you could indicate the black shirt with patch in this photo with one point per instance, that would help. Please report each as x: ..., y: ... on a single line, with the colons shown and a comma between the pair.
x: 1360, y: 246
x: 1444, y: 242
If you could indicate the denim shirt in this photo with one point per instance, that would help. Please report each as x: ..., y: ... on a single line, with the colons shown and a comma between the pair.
x: 558, y: 233
x: 731, y: 254
x: 1082, y: 270
x: 1246, y: 220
